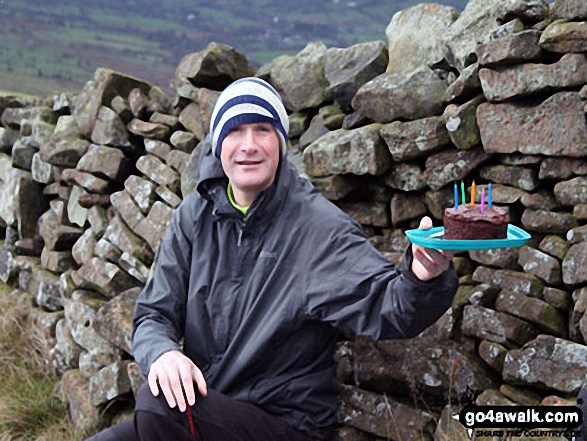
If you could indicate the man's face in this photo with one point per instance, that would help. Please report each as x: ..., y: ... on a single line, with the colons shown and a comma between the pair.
x: 250, y: 156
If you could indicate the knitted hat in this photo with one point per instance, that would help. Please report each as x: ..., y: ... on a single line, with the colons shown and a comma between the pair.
x: 248, y: 101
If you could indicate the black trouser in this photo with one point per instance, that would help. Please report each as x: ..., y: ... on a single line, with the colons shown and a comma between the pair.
x: 214, y: 417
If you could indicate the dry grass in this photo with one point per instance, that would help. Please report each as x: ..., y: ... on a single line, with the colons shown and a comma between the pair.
x: 30, y: 408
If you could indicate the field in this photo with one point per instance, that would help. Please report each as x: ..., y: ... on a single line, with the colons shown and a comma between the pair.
x: 49, y: 46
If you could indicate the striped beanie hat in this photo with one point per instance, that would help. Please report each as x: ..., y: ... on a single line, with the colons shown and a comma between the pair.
x: 247, y: 101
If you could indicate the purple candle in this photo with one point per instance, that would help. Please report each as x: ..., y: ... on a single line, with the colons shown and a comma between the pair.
x: 483, y: 201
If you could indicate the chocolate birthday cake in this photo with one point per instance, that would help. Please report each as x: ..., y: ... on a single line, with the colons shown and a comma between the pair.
x: 468, y: 223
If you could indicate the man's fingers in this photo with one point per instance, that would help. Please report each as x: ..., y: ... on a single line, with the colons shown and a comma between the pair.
x: 167, y: 391
x: 152, y: 379
x: 187, y: 381
x: 200, y: 381
x: 425, y: 223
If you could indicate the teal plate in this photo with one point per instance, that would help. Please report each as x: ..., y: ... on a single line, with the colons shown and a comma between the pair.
x: 434, y: 238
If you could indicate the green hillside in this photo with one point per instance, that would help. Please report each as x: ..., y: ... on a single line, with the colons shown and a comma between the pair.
x: 56, y: 45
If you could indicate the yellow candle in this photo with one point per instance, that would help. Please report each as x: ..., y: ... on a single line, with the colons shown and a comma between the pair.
x: 473, y: 193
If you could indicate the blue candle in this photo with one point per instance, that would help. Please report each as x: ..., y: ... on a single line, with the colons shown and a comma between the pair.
x: 456, y: 196
x: 489, y: 196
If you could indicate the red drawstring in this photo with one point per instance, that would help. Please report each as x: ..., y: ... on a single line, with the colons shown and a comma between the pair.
x: 191, y: 421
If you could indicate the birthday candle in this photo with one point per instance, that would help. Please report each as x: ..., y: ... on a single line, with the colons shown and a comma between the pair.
x: 489, y: 196
x: 463, y: 201
x: 473, y: 193
x: 456, y: 196
x: 482, y: 201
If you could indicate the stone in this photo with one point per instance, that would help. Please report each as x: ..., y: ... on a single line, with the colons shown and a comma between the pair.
x: 348, y: 69
x: 105, y: 162
x: 548, y: 222
x: 497, y: 257
x: 10, y: 179
x: 84, y: 416
x: 148, y: 130
x: 135, y: 377
x: 137, y: 102
x: 547, y: 362
x: 113, y: 321
x: 214, y: 67
x: 437, y: 370
x: 90, y: 363
x: 559, y: 118
x: 394, y: 96
x: 83, y: 249
x: 57, y: 261
x: 109, y: 383
x: 577, y: 235
x: 13, y: 117
x: 41, y: 170
x: 107, y: 251
x: 87, y: 181
x: 503, y: 83
x: 65, y: 146
x: 7, y: 139
x: 415, y: 36
x: 184, y: 141
x: 557, y: 298
x: 122, y: 109
x: 155, y: 224
x: 98, y: 220
x: 130, y: 241
x: 298, y: 123
x: 493, y: 354
x: 574, y: 265
x: 316, y: 129
x: 301, y: 79
x: 564, y: 37
x: 461, y: 124
x: 178, y: 161
x: 495, y: 326
x: 520, y: 396
x: 57, y: 237
x: 134, y: 267
x: 99, y: 92
x: 405, y: 177
x: 533, y: 310
x: 169, y: 120
x: 572, y: 192
x: 414, y: 139
x: 156, y: 148
x: 382, y: 416
x: 452, y: 165
x: 518, y: 48
x: 405, y: 207
x: 9, y: 268
x: 45, y: 288
x: 520, y: 177
x: 569, y: 9
x: 360, y: 151
x: 466, y: 86
x: 159, y: 172
x: 577, y: 314
x: 142, y: 192
x: 22, y: 153
x: 541, y: 265
x: 76, y: 214
x: 561, y: 168
x: 336, y: 187
x: 80, y: 314
x: 169, y: 197
x: 474, y: 26
x: 65, y: 354
x: 519, y: 282
x: 105, y: 278
x: 355, y: 120
x: 367, y: 213
x: 128, y: 211
x: 530, y: 11
x: 29, y: 204
x: 197, y: 115
x: 450, y: 429
x: 541, y: 200
x: 109, y: 129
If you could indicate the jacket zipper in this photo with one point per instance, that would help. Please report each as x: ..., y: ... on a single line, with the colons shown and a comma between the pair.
x: 240, y: 234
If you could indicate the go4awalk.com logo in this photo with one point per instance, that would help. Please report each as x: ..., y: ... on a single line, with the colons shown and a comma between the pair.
x: 518, y: 421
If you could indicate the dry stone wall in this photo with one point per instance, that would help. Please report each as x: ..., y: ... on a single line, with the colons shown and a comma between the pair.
x: 89, y: 182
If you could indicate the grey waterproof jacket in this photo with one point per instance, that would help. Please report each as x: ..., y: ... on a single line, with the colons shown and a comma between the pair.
x: 256, y: 301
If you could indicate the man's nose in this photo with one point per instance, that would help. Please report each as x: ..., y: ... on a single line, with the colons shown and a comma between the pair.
x: 249, y: 143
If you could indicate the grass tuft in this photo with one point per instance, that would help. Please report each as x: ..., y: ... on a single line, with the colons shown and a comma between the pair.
x: 30, y: 408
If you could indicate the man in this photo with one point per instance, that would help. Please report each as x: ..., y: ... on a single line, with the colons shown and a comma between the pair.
x: 256, y: 274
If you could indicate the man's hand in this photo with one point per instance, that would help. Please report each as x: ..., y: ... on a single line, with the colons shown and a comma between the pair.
x: 429, y: 263
x: 175, y: 374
